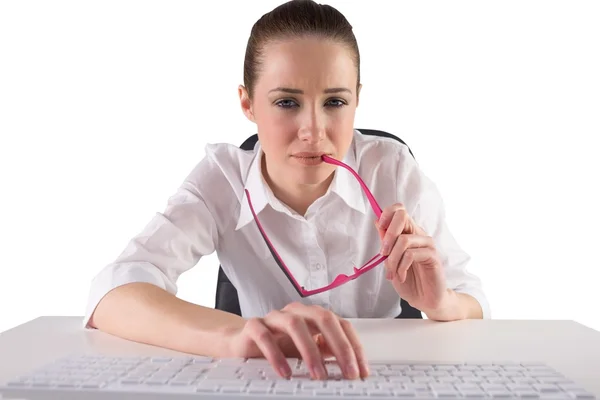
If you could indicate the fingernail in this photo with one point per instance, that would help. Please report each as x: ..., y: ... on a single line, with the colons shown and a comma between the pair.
x: 352, y: 371
x: 323, y: 372
x: 319, y: 372
x: 366, y: 368
x: 285, y: 371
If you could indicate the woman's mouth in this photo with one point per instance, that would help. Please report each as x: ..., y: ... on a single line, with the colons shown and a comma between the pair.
x: 311, y: 160
x: 306, y: 158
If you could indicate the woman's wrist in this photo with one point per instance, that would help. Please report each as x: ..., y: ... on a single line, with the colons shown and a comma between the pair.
x: 213, y: 340
x: 455, y: 306
x: 449, y: 308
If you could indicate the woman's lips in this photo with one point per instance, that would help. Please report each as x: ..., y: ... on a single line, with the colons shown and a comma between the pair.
x: 308, y: 158
x: 312, y: 160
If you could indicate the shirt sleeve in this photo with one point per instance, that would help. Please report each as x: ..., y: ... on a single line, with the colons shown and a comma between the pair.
x: 171, y: 243
x: 429, y: 214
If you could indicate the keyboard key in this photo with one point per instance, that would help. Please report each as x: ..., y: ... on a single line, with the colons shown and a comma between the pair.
x: 425, y: 368
x: 233, y: 389
x: 414, y: 373
x: 462, y: 373
x: 473, y: 379
x: 406, y: 379
x: 380, y: 393
x: 258, y: 362
x: 492, y: 368
x: 492, y: 386
x: 466, y: 386
x: 161, y: 359
x: 527, y: 394
x: 518, y: 386
x: 207, y: 389
x: 325, y: 392
x: 473, y: 393
x: 258, y: 390
x: 554, y: 379
x: 202, y: 360
x: 468, y: 367
x: 570, y: 386
x: 181, y: 382
x: 92, y: 385
x: 18, y: 384
x: 447, y: 367
x: 449, y: 379
x: 499, y: 393
x: 502, y: 381
x: 441, y: 386
x: 404, y: 393
x: 70, y: 385
x: 486, y: 374
x: 525, y: 381
x: 352, y: 392
x: 447, y: 393
x: 511, y: 374
x: 583, y: 394
x: 288, y: 384
x: 546, y: 388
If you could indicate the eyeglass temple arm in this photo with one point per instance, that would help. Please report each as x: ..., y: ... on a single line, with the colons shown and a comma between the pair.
x: 374, y: 205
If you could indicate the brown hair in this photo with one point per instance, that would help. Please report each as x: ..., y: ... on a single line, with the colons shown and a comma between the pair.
x: 295, y: 19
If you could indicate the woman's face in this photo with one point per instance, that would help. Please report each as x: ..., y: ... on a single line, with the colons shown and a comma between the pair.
x: 304, y: 103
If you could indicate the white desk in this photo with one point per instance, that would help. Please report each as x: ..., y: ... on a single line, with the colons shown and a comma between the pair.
x: 569, y: 347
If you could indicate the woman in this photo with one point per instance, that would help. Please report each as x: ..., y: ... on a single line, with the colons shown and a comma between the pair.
x: 301, y: 88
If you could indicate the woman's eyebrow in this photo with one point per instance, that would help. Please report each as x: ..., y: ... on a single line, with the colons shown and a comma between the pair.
x: 299, y: 91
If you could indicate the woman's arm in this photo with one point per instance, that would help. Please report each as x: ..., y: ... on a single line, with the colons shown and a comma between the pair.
x: 145, y: 313
x: 462, y: 294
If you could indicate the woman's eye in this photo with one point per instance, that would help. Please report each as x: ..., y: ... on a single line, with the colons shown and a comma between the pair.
x: 336, y: 103
x: 286, y: 103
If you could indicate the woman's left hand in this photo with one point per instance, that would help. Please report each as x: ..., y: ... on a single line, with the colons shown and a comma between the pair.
x: 413, y: 265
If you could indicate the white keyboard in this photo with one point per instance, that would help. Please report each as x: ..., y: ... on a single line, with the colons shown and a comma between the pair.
x: 98, y: 377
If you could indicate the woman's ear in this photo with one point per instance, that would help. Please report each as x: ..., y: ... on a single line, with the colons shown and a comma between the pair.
x: 358, y: 93
x: 246, y: 103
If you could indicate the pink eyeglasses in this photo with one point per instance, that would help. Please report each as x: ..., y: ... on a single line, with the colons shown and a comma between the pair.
x: 342, y: 278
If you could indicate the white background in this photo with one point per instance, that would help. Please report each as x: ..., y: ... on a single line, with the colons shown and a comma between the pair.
x: 105, y: 107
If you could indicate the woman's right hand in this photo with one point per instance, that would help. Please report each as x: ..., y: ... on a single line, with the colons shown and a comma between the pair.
x: 311, y: 333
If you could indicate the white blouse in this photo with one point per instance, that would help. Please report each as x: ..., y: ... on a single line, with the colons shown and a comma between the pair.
x: 209, y: 212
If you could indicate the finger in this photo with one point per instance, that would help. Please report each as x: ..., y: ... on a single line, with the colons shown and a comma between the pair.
x: 379, y: 230
x: 404, y: 242
x: 387, y: 214
x: 295, y: 326
x: 321, y: 345
x: 265, y: 341
x: 394, y: 230
x: 405, y: 263
x: 411, y: 257
x: 336, y: 338
x: 361, y: 356
x: 324, y: 348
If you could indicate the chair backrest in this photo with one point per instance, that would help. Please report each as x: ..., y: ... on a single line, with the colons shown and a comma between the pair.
x: 227, y: 297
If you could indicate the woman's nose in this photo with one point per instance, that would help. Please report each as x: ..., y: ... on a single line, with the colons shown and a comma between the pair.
x: 311, y: 135
x: 312, y: 129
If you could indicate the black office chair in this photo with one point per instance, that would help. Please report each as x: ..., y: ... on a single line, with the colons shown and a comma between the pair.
x: 227, y: 297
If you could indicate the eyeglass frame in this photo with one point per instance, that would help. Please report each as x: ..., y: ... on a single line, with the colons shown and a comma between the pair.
x: 340, y: 279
